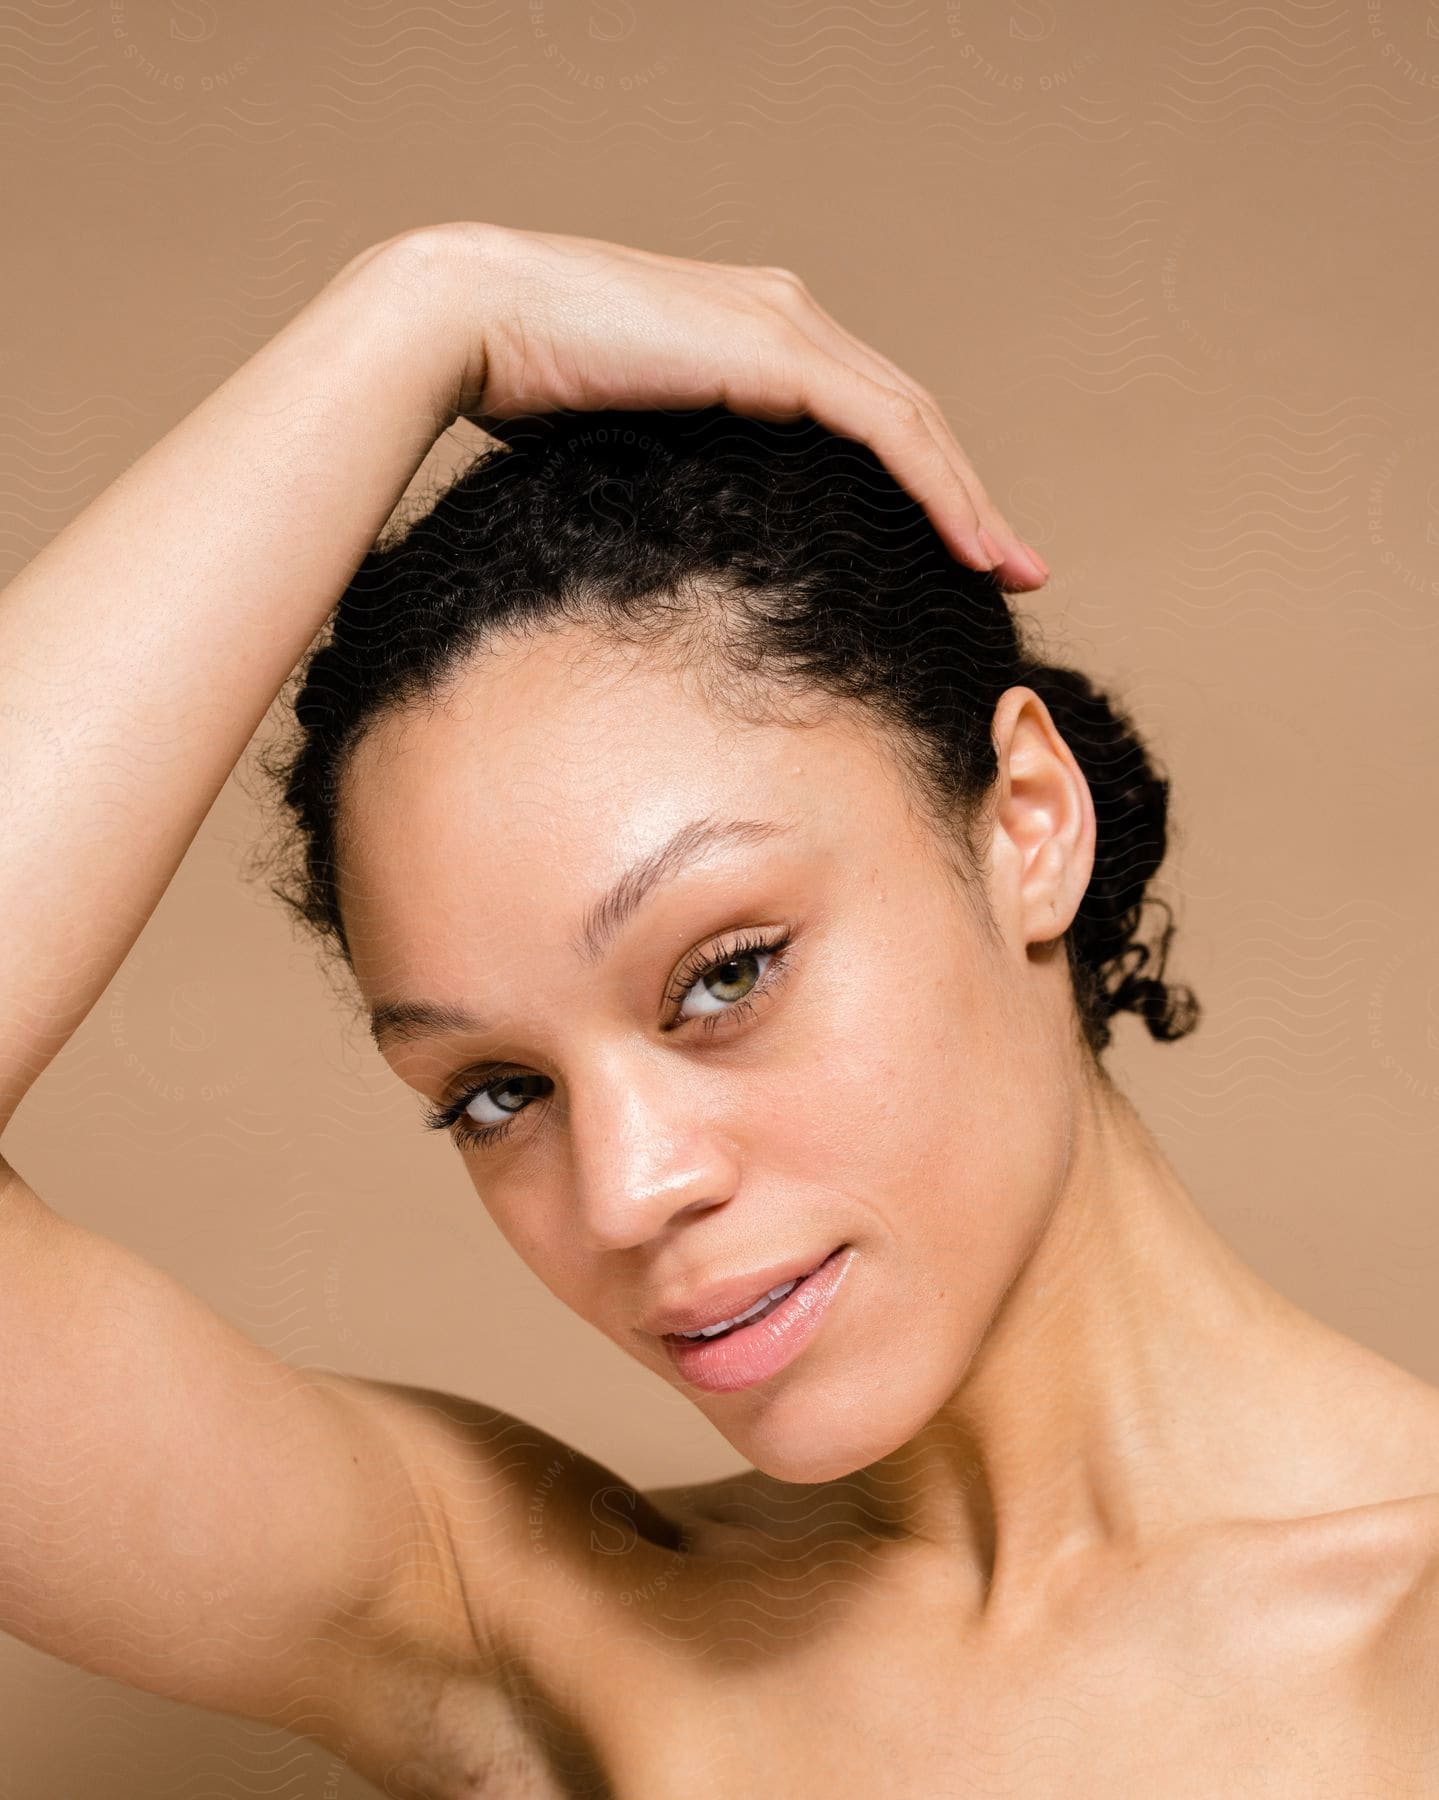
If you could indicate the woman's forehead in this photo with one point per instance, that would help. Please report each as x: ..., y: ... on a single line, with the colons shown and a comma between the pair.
x: 543, y: 746
x: 524, y: 801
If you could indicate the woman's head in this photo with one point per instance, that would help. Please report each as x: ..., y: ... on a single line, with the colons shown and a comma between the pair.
x: 789, y: 894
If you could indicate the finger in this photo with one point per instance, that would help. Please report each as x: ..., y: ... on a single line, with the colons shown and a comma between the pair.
x: 894, y: 390
x: 1015, y: 563
x: 1011, y: 558
x: 798, y: 377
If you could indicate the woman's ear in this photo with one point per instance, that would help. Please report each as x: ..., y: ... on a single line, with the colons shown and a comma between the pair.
x: 1042, y: 844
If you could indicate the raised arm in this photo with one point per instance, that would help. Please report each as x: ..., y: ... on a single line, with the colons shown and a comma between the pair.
x: 140, y: 650
x: 178, y: 1507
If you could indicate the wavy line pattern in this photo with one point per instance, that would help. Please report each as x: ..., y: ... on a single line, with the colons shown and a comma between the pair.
x: 1310, y: 69
x: 1166, y: 269
x: 967, y: 76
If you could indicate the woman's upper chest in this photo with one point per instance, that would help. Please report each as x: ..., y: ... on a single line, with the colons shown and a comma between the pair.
x: 1104, y: 1721
x: 829, y: 1677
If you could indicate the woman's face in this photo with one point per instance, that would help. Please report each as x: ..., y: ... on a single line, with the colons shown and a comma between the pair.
x: 788, y: 1037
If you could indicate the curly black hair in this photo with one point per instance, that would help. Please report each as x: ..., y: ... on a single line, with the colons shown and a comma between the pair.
x: 782, y: 558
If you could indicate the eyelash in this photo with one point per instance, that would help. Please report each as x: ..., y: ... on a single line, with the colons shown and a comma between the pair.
x: 451, y: 1115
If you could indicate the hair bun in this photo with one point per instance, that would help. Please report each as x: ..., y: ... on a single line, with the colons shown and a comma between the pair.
x: 1120, y: 971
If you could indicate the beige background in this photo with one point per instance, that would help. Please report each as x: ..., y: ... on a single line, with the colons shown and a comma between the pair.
x: 1169, y: 266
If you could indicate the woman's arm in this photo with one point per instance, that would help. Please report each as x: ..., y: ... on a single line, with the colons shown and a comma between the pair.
x: 140, y: 650
x: 178, y: 1507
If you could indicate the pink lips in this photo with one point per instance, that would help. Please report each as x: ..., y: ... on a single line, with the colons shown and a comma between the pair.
x: 727, y: 1298
x: 750, y: 1352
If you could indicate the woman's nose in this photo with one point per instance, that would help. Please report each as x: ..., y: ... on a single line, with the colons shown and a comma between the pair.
x: 643, y: 1158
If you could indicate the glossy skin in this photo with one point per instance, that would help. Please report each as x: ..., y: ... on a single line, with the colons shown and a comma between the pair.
x: 1062, y: 1499
x: 821, y: 1107
x: 1037, y: 1433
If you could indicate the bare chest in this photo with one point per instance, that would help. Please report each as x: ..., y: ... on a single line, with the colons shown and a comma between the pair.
x: 891, y: 1720
x: 831, y: 1674
x: 1175, y: 1734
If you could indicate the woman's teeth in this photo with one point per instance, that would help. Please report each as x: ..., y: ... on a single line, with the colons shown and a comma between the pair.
x: 770, y: 1299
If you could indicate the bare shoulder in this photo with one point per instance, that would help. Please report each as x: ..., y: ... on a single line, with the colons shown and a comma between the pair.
x: 1394, y: 1672
x: 511, y: 1503
x: 1397, y: 1543
x: 517, y: 1545
x: 1375, y: 1549
x: 1405, y: 1654
x: 1352, y: 1597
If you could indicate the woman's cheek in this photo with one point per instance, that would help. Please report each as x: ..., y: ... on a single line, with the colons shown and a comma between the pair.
x: 526, y: 1214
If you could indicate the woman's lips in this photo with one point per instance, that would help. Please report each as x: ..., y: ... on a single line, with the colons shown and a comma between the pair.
x: 725, y: 1299
x: 762, y: 1346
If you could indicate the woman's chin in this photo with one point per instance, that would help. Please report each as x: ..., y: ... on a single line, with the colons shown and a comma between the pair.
x: 807, y: 1466
x: 806, y: 1443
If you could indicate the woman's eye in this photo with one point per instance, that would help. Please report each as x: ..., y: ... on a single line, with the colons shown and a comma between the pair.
x: 493, y: 1105
x: 484, y: 1116
x: 725, y: 983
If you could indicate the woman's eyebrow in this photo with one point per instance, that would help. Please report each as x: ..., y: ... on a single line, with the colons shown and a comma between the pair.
x: 402, y: 1020
x: 608, y: 914
x: 408, y: 1019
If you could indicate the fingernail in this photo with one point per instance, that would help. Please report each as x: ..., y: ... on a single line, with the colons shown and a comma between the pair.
x: 1041, y: 567
x: 989, y: 547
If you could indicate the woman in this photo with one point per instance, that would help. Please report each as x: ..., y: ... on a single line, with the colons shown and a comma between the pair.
x: 728, y: 877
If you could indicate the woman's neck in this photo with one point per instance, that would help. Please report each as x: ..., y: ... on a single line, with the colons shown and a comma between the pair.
x: 1139, y: 1379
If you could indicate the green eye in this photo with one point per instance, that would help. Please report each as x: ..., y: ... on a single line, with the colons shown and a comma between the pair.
x: 722, y: 984
x: 732, y: 980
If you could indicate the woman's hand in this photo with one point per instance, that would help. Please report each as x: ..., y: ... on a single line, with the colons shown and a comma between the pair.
x: 574, y: 322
